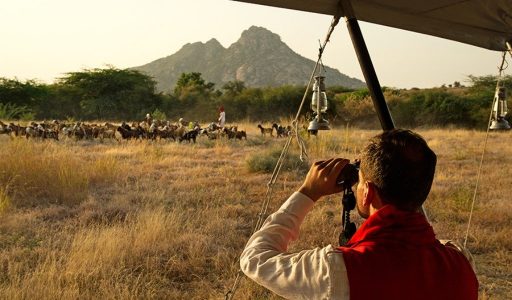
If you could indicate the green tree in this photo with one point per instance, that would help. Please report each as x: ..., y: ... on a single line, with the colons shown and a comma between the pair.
x: 21, y: 93
x: 112, y: 93
x: 488, y: 82
x: 192, y: 81
x: 195, y: 98
x: 233, y: 88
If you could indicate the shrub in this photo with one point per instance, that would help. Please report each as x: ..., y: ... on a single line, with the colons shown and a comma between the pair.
x: 9, y: 111
x: 266, y: 162
x: 159, y: 115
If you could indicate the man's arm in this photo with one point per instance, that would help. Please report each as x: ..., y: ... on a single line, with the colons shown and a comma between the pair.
x: 318, y: 273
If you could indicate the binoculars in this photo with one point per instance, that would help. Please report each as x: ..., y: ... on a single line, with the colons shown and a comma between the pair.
x: 349, y: 175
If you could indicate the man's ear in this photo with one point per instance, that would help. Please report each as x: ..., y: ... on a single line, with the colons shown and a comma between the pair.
x: 369, y: 194
x: 372, y: 197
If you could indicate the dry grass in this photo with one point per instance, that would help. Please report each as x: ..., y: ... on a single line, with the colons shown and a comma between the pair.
x: 166, y: 220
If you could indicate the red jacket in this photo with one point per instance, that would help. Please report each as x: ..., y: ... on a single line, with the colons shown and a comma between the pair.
x: 395, y: 255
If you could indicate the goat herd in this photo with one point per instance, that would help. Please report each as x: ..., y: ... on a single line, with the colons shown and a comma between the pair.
x: 156, y: 129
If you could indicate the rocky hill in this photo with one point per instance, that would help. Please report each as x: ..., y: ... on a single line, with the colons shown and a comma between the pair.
x: 259, y: 58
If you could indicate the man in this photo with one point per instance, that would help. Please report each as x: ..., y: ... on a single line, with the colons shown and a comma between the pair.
x: 148, y: 119
x: 222, y: 117
x: 393, y: 255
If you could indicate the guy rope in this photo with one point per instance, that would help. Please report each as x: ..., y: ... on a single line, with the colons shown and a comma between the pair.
x: 280, y: 162
x: 502, y: 67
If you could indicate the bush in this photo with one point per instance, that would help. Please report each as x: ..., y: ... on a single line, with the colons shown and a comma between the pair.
x: 9, y: 111
x: 159, y: 115
x: 266, y: 162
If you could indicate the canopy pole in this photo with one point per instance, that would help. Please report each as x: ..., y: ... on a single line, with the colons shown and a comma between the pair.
x: 370, y: 76
x: 366, y: 64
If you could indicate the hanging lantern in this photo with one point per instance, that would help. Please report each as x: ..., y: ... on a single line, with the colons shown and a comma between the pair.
x: 319, y: 106
x: 499, y: 109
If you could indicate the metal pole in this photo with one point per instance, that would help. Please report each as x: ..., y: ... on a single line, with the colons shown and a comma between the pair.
x: 370, y: 76
x: 365, y: 61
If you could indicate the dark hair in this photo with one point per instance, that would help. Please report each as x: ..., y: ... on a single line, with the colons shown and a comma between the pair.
x: 401, y: 165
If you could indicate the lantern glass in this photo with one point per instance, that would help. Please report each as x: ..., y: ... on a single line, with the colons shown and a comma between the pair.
x: 500, y: 103
x: 499, y: 110
x: 319, y: 99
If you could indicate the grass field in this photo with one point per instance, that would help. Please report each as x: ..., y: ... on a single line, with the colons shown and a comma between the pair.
x: 165, y: 220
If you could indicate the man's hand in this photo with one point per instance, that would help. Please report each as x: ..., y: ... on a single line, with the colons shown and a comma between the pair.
x: 321, y: 178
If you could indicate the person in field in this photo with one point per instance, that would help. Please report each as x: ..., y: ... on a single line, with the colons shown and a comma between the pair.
x: 222, y: 117
x: 148, y: 119
x: 393, y: 255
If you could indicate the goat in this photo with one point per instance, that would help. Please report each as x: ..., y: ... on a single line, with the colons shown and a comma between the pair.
x: 107, y: 133
x: 213, y: 126
x: 110, y: 126
x: 235, y: 134
x: 264, y: 130
x: 190, y: 135
x: 126, y: 126
x: 51, y: 134
x: 241, y: 134
x: 212, y: 135
x: 17, y: 129
x: 4, y: 129
x: 282, y: 131
x: 129, y: 134
x: 167, y: 132
x: 39, y: 131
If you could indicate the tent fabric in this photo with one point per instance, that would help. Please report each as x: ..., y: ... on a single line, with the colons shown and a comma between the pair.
x: 482, y: 23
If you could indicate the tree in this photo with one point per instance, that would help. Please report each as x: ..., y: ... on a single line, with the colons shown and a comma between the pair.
x: 192, y: 81
x: 112, y: 93
x: 20, y: 93
x: 233, y: 88
x: 195, y: 98
x: 488, y: 82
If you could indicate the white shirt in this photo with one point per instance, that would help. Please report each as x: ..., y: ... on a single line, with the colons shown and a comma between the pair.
x: 318, y: 273
x: 222, y: 118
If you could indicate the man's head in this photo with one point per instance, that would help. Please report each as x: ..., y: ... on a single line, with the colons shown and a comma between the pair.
x: 397, y: 166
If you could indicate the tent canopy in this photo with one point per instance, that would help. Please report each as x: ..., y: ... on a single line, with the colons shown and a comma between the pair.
x: 482, y: 23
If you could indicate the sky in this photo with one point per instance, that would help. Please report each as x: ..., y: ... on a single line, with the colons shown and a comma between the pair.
x: 44, y: 39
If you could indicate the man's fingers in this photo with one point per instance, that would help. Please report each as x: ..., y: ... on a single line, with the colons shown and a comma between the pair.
x: 338, y: 165
x: 329, y: 165
x: 324, y: 163
x: 318, y: 162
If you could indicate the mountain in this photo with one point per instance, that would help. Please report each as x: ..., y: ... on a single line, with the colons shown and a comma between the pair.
x: 259, y: 58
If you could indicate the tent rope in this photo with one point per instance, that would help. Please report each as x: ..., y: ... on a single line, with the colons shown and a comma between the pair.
x: 502, y: 67
x: 280, y: 162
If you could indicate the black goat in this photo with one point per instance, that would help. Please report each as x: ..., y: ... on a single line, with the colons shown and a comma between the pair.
x: 129, y: 134
x: 282, y: 131
x: 189, y: 136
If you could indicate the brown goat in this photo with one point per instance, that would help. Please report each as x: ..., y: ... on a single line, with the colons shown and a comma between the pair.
x: 264, y: 130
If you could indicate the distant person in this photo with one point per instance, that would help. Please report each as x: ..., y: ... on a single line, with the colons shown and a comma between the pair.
x: 149, y: 119
x: 182, y: 123
x: 393, y: 255
x: 222, y: 117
